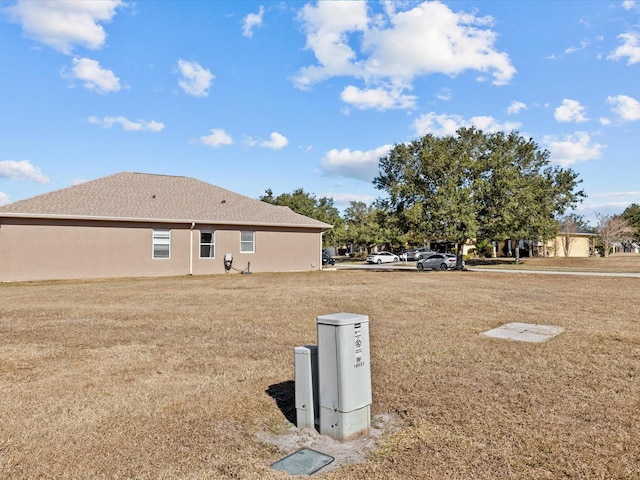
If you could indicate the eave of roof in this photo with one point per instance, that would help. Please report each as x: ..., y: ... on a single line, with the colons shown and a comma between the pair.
x: 319, y: 225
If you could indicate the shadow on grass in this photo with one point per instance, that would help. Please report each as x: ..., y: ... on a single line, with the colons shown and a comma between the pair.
x: 492, y: 261
x: 284, y: 394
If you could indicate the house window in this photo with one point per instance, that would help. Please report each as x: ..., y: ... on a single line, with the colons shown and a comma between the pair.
x: 161, y: 243
x: 207, y: 244
x: 247, y: 242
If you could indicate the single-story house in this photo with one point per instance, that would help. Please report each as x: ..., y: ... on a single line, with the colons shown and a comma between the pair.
x: 135, y: 224
x: 630, y: 247
x: 575, y: 244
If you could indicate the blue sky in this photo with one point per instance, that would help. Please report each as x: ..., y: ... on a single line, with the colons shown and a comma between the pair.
x: 284, y: 95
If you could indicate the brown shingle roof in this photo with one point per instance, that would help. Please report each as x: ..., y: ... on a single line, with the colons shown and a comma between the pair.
x: 140, y: 196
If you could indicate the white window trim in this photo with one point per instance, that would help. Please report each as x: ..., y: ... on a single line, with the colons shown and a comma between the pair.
x: 213, y: 243
x: 160, y: 241
x: 253, y: 241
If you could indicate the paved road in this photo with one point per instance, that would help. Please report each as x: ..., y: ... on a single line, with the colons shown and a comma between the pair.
x: 411, y: 266
x: 374, y: 266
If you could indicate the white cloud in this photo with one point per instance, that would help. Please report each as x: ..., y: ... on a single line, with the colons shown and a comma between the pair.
x: 252, y: 21
x: 93, y: 76
x: 627, y: 108
x: 216, y: 138
x: 62, y: 24
x: 571, y: 149
x: 570, y: 111
x: 437, y: 124
x: 630, y: 48
x: 21, y: 170
x: 128, y: 125
x: 628, y: 4
x: 354, y: 163
x: 346, y: 198
x: 276, y: 142
x: 377, y: 98
x: 195, y: 80
x: 608, y: 203
x: 250, y: 142
x: 615, y: 194
x: 583, y: 45
x: 4, y: 199
x: 394, y: 48
x: 431, y: 38
x: 516, y: 107
x: 327, y: 26
x: 444, y: 124
x: 444, y: 94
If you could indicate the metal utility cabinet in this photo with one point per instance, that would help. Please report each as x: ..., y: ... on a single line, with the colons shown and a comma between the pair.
x: 344, y: 375
x: 306, y: 385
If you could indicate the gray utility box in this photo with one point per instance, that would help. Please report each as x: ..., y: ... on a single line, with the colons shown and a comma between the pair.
x: 344, y: 375
x: 306, y: 379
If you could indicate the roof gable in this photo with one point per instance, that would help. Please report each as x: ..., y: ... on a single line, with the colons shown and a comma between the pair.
x: 140, y: 196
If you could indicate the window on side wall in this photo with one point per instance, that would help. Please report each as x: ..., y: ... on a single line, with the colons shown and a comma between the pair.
x: 247, y: 242
x: 161, y: 243
x: 207, y: 244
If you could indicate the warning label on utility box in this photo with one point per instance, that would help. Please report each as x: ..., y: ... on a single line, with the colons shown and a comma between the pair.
x: 357, y: 343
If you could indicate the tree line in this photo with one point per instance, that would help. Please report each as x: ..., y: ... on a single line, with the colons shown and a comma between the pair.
x: 469, y: 186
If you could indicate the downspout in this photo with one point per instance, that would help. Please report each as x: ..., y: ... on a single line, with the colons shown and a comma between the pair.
x: 193, y: 224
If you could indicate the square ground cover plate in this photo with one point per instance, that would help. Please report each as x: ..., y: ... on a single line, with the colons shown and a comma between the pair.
x: 524, y: 332
x: 302, y: 462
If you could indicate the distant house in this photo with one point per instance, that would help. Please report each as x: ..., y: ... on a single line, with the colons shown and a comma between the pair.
x: 630, y: 247
x: 134, y: 224
x: 575, y: 244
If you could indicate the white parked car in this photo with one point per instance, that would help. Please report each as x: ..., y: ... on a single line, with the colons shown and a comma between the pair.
x: 382, y: 257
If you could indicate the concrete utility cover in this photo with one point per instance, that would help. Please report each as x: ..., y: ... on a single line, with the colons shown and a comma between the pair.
x: 303, y: 462
x: 524, y: 332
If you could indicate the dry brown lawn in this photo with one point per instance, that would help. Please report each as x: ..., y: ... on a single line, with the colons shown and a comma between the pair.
x: 613, y: 263
x: 174, y: 378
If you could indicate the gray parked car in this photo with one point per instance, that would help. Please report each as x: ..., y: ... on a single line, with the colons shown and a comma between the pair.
x: 419, y: 253
x: 439, y: 261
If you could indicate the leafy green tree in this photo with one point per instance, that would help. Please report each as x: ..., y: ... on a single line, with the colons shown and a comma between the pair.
x: 356, y: 224
x: 299, y: 201
x: 632, y: 215
x: 367, y: 225
x: 475, y: 185
x: 307, y: 204
x: 521, y: 193
x: 430, y: 183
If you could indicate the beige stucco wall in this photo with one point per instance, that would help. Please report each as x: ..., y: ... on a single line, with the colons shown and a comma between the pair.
x: 578, y: 246
x: 43, y: 250
x: 275, y: 250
